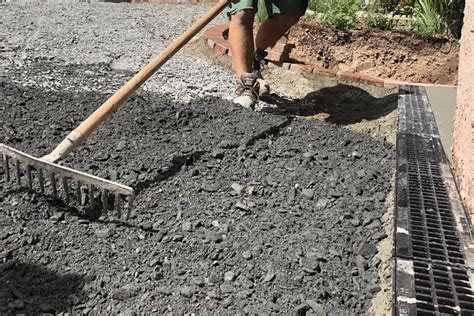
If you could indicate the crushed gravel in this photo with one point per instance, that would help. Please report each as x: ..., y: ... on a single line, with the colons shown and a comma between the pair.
x: 236, y: 211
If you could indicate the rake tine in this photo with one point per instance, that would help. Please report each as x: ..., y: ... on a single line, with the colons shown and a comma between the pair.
x: 66, y: 188
x: 78, y: 192
x: 6, y: 161
x: 18, y: 173
x: 30, y: 178
x: 53, y: 184
x: 91, y: 195
x: 117, y: 205
x: 105, y: 198
x: 41, y: 180
x: 131, y: 198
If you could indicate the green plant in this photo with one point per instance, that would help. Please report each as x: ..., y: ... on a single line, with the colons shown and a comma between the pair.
x: 377, y: 17
x: 316, y: 5
x: 262, y: 13
x: 341, y: 13
x: 431, y: 17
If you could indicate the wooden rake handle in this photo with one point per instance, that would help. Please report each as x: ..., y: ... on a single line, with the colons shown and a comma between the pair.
x: 78, y: 135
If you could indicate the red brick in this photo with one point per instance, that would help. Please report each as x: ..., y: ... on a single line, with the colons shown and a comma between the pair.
x: 348, y: 75
x: 324, y: 72
x: 211, y: 43
x: 373, y: 81
x: 277, y: 64
x: 282, y: 48
x: 216, y: 31
x: 391, y: 84
x: 221, y: 48
x: 283, y: 39
x: 277, y: 57
x: 301, y: 68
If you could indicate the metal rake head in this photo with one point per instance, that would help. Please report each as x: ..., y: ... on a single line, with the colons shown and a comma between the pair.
x: 85, y: 188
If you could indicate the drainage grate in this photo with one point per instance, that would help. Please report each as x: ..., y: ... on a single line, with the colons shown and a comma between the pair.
x: 428, y: 229
x: 433, y: 241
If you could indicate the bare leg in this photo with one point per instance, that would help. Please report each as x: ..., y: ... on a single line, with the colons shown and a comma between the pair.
x: 241, y: 40
x: 273, y: 29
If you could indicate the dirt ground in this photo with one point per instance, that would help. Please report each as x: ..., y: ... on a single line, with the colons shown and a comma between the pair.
x: 387, y: 54
x: 237, y: 211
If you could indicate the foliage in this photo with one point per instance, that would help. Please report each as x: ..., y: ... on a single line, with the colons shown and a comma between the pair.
x: 431, y: 17
x: 341, y: 13
x: 262, y: 13
x: 376, y: 17
x: 316, y: 5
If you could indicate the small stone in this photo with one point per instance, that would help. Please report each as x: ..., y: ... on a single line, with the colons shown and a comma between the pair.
x: 242, y: 206
x: 187, y: 227
x: 121, y: 145
x: 247, y: 255
x: 244, y: 294
x: 317, y: 308
x: 210, y: 188
x: 308, y: 193
x: 229, y: 276
x: 194, y: 173
x: 376, y: 261
x: 237, y: 188
x: 218, y: 154
x: 104, y: 233
x: 308, y: 156
x: 154, y: 262
x: 178, y: 238
x: 215, y: 277
x: 57, y: 217
x: 227, y: 288
x: 322, y: 203
x: 302, y: 309
x: 227, y: 302
x: 213, y: 236
x: 269, y: 277
x: 199, y: 282
x: 251, y: 190
x: 374, y: 289
x: 367, y: 250
x: 213, y: 295
x: 186, y: 291
x: 125, y: 292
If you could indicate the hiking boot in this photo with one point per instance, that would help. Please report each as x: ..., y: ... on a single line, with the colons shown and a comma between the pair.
x: 246, y: 93
x: 257, y: 67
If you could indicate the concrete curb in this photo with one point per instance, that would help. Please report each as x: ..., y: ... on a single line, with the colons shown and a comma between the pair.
x: 278, y: 57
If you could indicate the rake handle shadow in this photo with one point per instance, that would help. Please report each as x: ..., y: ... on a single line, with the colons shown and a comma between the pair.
x: 89, y: 125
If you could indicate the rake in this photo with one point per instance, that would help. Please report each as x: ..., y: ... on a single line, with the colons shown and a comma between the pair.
x: 87, y: 188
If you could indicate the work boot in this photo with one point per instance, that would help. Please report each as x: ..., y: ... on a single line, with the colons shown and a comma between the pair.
x: 246, y: 93
x: 257, y: 67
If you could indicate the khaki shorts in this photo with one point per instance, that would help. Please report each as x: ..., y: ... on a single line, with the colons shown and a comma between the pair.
x: 291, y: 7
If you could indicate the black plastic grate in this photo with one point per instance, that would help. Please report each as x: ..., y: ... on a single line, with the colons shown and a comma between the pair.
x: 450, y: 285
x: 432, y: 274
x: 425, y: 201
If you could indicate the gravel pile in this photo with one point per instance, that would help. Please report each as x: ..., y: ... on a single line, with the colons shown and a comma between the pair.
x: 237, y: 211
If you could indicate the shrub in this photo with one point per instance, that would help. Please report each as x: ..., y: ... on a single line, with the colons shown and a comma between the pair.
x: 262, y: 13
x: 376, y: 17
x: 341, y: 13
x: 431, y: 17
x: 316, y: 5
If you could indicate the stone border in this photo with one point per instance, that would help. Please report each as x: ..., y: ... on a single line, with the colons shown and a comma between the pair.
x: 278, y: 57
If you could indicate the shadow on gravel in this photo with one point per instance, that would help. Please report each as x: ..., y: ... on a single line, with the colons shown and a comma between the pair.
x: 32, y: 289
x: 341, y: 104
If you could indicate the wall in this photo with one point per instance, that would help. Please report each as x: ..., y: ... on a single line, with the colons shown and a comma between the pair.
x: 463, y: 133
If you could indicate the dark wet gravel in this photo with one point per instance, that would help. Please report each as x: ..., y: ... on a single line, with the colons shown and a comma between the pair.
x: 237, y: 211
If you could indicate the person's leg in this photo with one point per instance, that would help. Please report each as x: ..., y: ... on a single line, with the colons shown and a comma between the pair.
x: 241, y: 40
x: 273, y: 29
x: 283, y: 14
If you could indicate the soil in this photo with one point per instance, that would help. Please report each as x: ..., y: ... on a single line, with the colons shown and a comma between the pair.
x: 393, y: 54
x: 237, y: 211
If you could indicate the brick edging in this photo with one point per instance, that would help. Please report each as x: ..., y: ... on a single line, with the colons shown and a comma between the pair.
x: 278, y: 57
